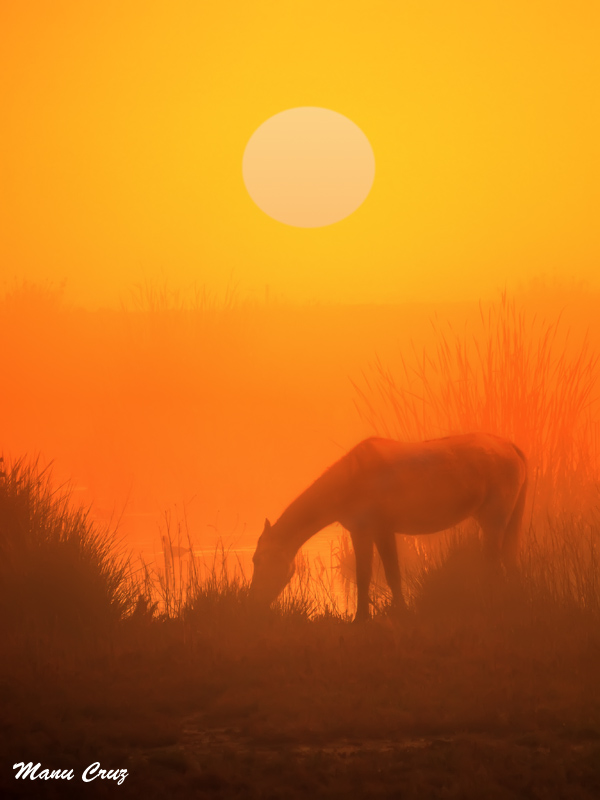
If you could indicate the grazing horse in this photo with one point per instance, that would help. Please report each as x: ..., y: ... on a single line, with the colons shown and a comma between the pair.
x: 382, y: 487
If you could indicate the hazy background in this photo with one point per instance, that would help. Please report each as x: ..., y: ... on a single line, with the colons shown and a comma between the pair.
x: 218, y: 413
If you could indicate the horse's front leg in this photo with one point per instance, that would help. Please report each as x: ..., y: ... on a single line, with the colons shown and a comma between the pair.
x: 363, y: 554
x: 386, y: 545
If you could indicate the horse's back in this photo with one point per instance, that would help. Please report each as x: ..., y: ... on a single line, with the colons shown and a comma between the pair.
x: 431, y: 485
x: 479, y: 448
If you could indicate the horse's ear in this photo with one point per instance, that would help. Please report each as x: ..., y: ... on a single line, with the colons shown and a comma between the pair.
x: 267, y: 525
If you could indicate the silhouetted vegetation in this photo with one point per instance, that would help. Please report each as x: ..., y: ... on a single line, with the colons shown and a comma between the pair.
x: 59, y: 573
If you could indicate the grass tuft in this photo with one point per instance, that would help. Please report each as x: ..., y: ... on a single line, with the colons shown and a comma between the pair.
x: 59, y: 573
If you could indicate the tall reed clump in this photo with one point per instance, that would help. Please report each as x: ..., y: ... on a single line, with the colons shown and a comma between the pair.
x: 520, y: 378
x: 510, y: 375
x: 59, y: 573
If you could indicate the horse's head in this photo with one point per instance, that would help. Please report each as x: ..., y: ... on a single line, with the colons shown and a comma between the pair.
x: 273, y: 568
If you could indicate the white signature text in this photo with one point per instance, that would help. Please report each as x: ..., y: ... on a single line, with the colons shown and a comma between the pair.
x: 89, y: 773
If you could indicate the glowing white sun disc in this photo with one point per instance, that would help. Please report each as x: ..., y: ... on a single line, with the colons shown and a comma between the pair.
x: 308, y: 167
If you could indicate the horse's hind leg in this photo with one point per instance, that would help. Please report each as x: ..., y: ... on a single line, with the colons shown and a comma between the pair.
x: 386, y: 545
x: 510, y: 542
x: 493, y: 521
x: 363, y: 554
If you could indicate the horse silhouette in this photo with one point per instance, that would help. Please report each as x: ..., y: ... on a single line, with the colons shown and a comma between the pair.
x: 382, y: 487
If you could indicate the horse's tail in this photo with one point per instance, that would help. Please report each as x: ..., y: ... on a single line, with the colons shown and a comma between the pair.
x: 520, y: 453
x: 510, y: 543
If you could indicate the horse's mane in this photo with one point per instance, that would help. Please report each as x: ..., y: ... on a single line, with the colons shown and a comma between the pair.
x: 330, y: 489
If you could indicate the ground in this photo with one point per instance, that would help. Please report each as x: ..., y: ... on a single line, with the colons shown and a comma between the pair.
x: 408, y: 707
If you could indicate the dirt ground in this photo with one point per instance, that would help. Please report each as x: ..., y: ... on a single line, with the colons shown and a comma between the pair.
x: 277, y: 709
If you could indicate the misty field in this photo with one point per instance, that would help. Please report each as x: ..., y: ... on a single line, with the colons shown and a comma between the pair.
x: 157, y: 665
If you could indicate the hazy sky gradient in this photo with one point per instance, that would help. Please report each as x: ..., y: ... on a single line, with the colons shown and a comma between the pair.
x: 124, y: 124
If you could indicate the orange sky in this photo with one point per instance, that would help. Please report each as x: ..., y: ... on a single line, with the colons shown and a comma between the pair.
x: 124, y: 124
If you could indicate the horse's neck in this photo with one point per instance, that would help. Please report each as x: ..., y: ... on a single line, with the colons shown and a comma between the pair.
x: 303, y: 518
x: 317, y: 506
x: 296, y: 536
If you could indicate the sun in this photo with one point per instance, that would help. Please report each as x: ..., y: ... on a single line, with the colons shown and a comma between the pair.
x: 308, y: 167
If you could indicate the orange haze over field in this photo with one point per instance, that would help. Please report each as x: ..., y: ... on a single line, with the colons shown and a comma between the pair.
x: 223, y: 415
